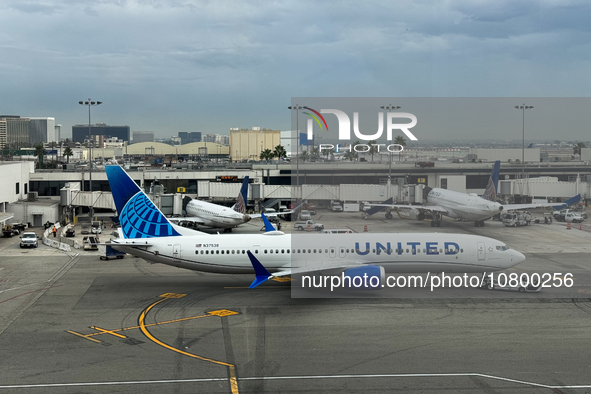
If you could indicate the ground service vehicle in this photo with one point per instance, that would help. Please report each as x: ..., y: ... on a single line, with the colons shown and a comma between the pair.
x: 336, y: 206
x: 573, y: 217
x: 96, y: 227
x: 516, y: 219
x: 29, y: 240
x: 304, y: 225
x: 305, y: 215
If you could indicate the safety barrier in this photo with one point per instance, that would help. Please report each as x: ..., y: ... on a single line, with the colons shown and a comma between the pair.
x: 60, y: 243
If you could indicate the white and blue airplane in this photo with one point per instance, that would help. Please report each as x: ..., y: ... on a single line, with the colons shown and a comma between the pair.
x: 462, y: 206
x: 207, y: 214
x: 145, y: 232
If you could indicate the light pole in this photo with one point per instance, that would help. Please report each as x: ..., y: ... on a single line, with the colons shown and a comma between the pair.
x: 390, y: 108
x: 523, y: 107
x: 90, y: 103
x: 297, y: 109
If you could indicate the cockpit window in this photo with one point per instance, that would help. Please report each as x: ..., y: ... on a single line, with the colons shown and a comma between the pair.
x: 502, y: 248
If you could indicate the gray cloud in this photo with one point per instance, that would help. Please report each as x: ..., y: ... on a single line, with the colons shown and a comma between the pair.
x: 171, y: 66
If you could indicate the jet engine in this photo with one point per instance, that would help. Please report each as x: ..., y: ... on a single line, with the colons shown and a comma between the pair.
x: 415, y: 214
x: 366, y: 277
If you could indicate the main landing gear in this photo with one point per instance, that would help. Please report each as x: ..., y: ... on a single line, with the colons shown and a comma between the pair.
x: 388, y: 215
x: 437, y: 219
x: 479, y: 223
x: 228, y: 230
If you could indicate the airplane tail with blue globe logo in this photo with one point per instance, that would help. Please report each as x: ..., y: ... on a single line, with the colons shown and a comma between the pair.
x: 138, y: 216
x: 492, y: 187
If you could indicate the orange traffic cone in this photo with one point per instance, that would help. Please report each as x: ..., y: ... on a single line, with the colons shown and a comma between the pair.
x: 365, y: 228
x: 309, y: 228
x: 568, y: 226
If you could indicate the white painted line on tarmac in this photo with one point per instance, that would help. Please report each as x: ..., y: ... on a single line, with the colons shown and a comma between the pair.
x: 41, y: 385
x: 268, y: 378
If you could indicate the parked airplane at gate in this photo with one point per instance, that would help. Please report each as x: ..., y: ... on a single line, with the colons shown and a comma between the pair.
x: 464, y: 206
x: 203, y: 213
x: 145, y: 232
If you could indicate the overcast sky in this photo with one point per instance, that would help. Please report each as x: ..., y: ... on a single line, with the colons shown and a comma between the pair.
x: 170, y: 66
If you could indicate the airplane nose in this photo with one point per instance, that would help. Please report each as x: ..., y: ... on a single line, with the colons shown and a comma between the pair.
x: 246, y: 218
x: 518, y: 257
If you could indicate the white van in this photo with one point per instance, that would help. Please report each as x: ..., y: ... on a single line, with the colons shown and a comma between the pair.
x: 337, y: 231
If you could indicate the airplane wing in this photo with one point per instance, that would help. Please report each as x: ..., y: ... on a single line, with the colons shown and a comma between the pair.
x: 432, y: 208
x: 274, y: 214
x: 187, y: 219
x: 566, y: 203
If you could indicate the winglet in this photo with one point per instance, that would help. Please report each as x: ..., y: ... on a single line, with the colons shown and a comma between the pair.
x: 490, y: 193
x: 268, y: 225
x: 262, y: 275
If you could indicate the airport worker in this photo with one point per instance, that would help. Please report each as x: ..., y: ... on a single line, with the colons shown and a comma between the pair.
x: 54, y: 231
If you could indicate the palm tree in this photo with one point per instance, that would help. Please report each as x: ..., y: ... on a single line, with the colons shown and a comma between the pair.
x: 373, y: 148
x: 315, y: 154
x: 328, y: 152
x: 353, y: 149
x: 305, y: 156
x: 267, y: 155
x: 400, y: 141
x: 68, y: 152
x: 578, y: 147
x: 40, y: 153
x: 350, y: 156
x: 279, y: 152
x: 52, y: 144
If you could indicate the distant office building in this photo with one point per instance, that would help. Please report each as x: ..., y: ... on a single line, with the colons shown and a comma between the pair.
x: 248, y: 144
x: 208, y: 138
x: 222, y: 139
x: 58, y: 132
x: 143, y: 136
x: 41, y: 130
x: 217, y: 138
x: 188, y: 137
x: 80, y: 132
x: 2, y: 133
x: 17, y: 131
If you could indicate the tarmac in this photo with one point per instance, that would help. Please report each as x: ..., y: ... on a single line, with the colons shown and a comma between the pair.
x: 72, y: 323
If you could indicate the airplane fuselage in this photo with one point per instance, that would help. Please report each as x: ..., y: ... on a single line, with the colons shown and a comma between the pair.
x: 214, y: 215
x: 395, y: 252
x: 463, y: 206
